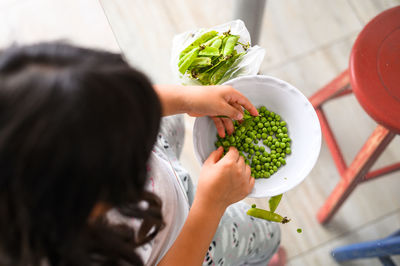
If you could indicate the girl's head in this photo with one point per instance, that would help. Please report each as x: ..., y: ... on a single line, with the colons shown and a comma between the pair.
x: 76, y: 129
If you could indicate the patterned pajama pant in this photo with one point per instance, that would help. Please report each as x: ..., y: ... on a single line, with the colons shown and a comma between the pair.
x: 240, y: 239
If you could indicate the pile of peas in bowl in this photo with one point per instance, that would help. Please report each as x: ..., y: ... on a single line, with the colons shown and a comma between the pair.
x: 263, y: 141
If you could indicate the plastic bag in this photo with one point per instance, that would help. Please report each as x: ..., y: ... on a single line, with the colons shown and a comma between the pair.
x: 248, y: 64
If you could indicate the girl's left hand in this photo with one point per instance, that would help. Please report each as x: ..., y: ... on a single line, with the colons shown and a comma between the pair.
x: 218, y: 101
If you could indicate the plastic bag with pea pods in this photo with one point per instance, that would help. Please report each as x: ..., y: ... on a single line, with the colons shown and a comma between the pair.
x: 247, y: 64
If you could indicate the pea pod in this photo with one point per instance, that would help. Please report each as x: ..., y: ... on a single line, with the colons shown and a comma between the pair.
x: 196, y: 43
x: 183, y: 59
x: 217, y: 43
x: 204, y: 78
x: 274, y: 202
x: 229, y: 45
x: 209, y: 51
x: 220, y: 72
x: 201, y: 62
x: 267, y: 215
x: 210, y: 41
x: 189, y: 60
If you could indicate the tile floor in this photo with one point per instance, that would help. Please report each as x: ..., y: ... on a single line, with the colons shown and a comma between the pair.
x: 307, y: 42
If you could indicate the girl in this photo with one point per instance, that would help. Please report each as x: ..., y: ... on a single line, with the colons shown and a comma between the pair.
x: 88, y: 177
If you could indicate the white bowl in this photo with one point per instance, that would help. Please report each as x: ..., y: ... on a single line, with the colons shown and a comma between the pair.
x: 302, y: 123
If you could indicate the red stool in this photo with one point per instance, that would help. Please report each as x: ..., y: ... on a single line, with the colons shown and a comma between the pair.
x: 374, y: 77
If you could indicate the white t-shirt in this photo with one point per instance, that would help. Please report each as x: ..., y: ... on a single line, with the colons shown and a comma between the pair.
x: 162, y: 181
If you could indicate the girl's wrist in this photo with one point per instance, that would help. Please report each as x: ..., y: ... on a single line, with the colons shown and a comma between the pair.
x: 210, y: 206
x: 173, y: 98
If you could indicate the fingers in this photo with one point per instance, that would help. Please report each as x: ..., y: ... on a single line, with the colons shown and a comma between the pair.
x: 214, y: 156
x: 242, y: 164
x: 239, y: 98
x: 231, y: 111
x: 251, y: 184
x: 228, y: 125
x: 232, y: 154
x: 220, y: 126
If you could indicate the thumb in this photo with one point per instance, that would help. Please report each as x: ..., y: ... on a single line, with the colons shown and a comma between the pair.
x: 232, y: 112
x: 214, y: 156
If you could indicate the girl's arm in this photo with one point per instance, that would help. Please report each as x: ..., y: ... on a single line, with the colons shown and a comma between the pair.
x: 221, y: 183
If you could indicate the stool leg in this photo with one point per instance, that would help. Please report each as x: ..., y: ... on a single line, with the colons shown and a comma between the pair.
x: 371, y: 249
x: 386, y: 261
x: 338, y: 87
x: 353, y: 175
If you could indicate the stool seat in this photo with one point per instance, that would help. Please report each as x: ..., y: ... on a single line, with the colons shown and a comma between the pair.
x: 375, y: 69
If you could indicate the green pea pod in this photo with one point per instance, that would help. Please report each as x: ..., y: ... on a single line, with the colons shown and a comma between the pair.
x: 189, y: 60
x: 204, y: 78
x: 224, y: 39
x: 217, y: 43
x: 210, y: 41
x: 267, y: 215
x: 230, y: 44
x: 196, y: 43
x: 201, y: 62
x: 183, y: 59
x: 209, y: 51
x: 220, y: 72
x: 274, y: 202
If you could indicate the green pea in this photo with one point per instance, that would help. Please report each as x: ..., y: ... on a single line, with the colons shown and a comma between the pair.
x: 288, y: 151
x: 256, y: 148
x: 278, y: 164
x: 264, y: 136
x: 258, y: 136
x: 251, y: 151
x: 284, y: 129
x: 262, y: 149
x: 274, y: 128
x: 282, y: 123
x: 273, y: 147
x: 248, y: 140
x: 278, y: 150
x: 265, y: 154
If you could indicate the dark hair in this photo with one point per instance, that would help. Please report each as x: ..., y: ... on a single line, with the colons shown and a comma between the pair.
x: 76, y: 128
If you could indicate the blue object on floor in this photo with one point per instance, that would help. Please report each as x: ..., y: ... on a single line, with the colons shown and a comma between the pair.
x: 382, y: 249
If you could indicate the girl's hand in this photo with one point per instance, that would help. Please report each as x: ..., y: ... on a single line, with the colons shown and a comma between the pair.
x: 218, y: 101
x: 224, y: 181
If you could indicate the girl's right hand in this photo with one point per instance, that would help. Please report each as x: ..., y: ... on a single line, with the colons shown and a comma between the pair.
x: 224, y: 181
